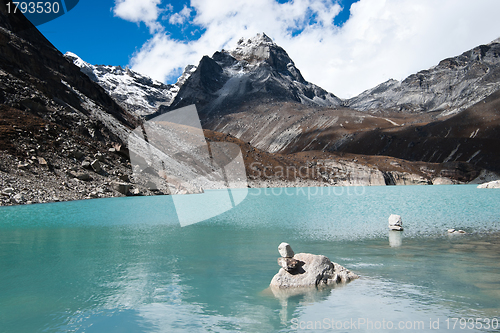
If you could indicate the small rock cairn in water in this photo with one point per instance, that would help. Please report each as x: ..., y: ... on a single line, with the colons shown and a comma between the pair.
x: 305, y: 270
x: 395, y: 222
x: 453, y: 231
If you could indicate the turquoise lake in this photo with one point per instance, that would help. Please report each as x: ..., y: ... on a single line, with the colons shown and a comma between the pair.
x: 127, y: 265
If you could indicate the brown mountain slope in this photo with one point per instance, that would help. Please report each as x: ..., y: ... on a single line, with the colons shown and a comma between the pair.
x: 35, y: 77
x: 471, y: 136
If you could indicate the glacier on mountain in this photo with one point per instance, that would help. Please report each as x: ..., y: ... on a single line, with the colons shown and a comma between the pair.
x: 135, y: 92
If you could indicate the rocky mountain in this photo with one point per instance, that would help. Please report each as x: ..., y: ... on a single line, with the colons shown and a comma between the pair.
x: 61, y: 135
x: 451, y: 86
x: 136, y: 93
x: 471, y: 137
x: 64, y: 128
x: 257, y: 69
x: 446, y: 114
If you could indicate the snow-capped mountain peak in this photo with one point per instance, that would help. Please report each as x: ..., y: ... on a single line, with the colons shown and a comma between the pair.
x: 135, y: 92
x: 257, y: 68
x: 253, y: 49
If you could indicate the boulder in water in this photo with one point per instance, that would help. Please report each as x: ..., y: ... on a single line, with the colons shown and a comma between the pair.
x: 306, y: 270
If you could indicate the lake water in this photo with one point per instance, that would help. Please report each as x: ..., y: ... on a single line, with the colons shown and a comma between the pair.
x: 126, y: 264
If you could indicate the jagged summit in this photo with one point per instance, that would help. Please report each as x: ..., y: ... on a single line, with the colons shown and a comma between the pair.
x: 256, y: 69
x: 254, y: 49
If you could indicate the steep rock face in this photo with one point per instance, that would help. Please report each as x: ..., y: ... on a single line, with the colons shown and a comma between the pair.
x: 136, y: 93
x: 35, y: 77
x: 54, y: 122
x: 256, y: 69
x: 450, y: 87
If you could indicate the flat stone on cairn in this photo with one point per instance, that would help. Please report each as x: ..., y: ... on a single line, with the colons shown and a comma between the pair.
x: 395, y: 222
x: 308, y: 270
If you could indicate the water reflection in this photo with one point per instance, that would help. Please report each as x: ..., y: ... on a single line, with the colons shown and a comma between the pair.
x: 292, y: 298
x: 395, y: 238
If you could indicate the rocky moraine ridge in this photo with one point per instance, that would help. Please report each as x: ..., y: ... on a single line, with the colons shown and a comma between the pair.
x: 65, y: 123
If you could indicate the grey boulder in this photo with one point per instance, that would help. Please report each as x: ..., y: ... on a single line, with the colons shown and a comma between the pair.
x: 311, y: 270
x: 492, y: 184
x: 123, y: 188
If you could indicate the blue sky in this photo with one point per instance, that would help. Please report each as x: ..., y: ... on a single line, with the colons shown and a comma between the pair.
x: 344, y: 49
x: 97, y: 35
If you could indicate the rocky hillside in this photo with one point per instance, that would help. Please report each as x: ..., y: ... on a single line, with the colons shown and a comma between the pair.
x: 61, y: 135
x: 471, y: 136
x: 451, y: 86
x: 135, y: 92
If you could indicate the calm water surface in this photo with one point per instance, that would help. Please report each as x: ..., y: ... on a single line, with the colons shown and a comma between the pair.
x: 126, y: 265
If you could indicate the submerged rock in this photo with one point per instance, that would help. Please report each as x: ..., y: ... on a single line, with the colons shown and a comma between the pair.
x: 395, y: 222
x: 306, y: 270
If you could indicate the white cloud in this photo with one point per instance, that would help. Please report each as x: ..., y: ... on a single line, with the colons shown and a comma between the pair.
x: 180, y: 17
x: 137, y: 11
x: 382, y: 39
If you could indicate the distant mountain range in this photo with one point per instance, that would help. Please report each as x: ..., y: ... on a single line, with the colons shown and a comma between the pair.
x: 65, y: 123
x: 257, y: 94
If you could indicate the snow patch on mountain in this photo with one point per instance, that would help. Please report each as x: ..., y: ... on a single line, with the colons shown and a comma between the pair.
x: 135, y: 92
x: 447, y: 88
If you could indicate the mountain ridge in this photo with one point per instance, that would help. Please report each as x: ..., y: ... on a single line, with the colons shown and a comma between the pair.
x: 135, y: 92
x: 451, y: 86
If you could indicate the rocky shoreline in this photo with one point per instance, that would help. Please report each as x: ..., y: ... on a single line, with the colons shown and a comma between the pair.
x: 78, y: 175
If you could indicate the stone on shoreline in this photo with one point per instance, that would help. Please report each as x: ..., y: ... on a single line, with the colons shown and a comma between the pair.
x: 123, y: 188
x: 8, y: 190
x: 285, y: 250
x: 492, y: 184
x: 79, y: 175
x: 306, y: 270
x: 395, y: 222
x: 442, y: 181
x: 19, y: 198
